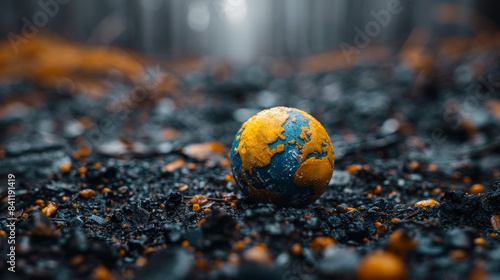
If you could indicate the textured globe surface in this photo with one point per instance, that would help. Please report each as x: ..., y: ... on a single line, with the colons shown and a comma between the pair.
x: 283, y: 156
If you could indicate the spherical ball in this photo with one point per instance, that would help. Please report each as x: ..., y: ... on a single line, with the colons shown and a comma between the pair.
x: 283, y: 156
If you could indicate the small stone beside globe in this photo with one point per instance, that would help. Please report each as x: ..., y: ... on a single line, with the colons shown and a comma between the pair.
x: 282, y: 156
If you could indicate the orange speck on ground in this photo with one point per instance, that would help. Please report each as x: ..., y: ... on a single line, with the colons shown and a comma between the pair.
x: 170, y: 133
x: 191, y: 166
x: 414, y: 165
x: 84, y: 151
x: 105, y: 190
x: 296, y: 249
x: 201, y: 265
x: 401, y: 244
x: 480, y: 241
x: 219, y: 263
x: 225, y: 163
x: 321, y: 243
x: 435, y: 191
x: 258, y: 254
x: 353, y: 169
x: 457, y: 255
x: 477, y: 188
x: 196, y: 207
x: 426, y: 203
x: 240, y: 245
x: 148, y: 251
x: 433, y: 167
x: 176, y: 164
x: 467, y: 180
x: 380, y: 227
x: 87, y: 193
x: 65, y: 168
x: 121, y: 253
x: 229, y: 178
x: 199, y: 199
x: 380, y: 265
x: 183, y: 188
x: 76, y: 260
x: 102, y: 273
x: 141, y: 261
x: 234, y: 260
x: 204, y: 151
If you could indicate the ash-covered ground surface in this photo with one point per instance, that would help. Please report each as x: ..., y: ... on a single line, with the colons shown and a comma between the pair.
x: 119, y: 178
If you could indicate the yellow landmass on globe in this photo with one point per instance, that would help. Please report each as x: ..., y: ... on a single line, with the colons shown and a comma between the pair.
x: 258, y: 132
x: 315, y: 172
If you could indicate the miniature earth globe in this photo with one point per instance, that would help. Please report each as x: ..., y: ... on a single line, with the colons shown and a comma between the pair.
x: 282, y: 156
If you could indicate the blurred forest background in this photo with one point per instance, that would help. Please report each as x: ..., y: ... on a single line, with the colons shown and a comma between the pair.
x: 242, y: 30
